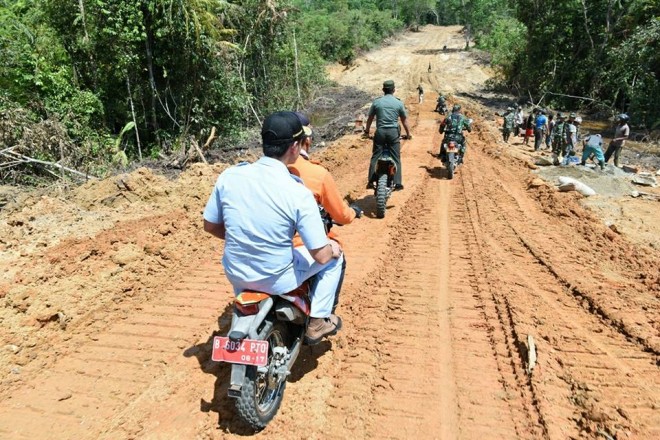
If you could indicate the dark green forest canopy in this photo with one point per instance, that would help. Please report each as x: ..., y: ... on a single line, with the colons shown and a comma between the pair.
x: 117, y: 80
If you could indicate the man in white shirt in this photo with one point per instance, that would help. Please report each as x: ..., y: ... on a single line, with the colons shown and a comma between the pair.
x: 256, y: 209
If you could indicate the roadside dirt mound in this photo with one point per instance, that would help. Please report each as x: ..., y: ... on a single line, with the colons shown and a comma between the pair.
x: 66, y: 259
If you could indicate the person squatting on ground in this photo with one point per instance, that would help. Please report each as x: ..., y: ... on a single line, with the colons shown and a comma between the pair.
x: 255, y: 208
x: 540, y: 129
x: 621, y: 133
x: 452, y: 127
x: 592, y: 145
x: 387, y: 110
x: 508, y: 124
x: 320, y: 182
x: 420, y: 91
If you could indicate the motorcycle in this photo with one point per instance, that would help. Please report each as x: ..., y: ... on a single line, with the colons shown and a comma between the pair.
x: 441, y: 108
x: 264, y: 340
x: 385, y: 171
x: 451, y: 155
x: 384, y: 185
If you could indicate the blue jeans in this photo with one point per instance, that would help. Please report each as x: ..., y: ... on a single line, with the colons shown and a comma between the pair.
x: 589, y: 150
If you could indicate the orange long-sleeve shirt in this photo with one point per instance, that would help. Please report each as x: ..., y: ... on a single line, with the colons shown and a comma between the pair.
x: 320, y: 182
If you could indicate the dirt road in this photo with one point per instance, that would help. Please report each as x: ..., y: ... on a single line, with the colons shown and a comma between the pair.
x: 112, y: 293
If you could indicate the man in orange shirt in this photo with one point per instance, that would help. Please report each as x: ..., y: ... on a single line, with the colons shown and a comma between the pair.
x: 319, y: 180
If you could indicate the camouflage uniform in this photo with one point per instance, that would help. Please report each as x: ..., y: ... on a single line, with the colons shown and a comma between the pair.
x: 453, y: 126
x: 558, y: 138
x: 508, y: 124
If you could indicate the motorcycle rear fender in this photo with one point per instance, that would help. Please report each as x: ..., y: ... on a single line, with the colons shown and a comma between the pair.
x: 386, y: 166
x: 250, y: 325
x: 243, y: 326
x: 236, y: 380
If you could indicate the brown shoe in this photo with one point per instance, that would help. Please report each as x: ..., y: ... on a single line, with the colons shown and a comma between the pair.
x: 319, y: 328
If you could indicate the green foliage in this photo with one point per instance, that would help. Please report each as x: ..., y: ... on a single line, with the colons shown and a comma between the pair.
x: 79, y: 70
x: 340, y: 33
x: 505, y: 40
x: 635, y: 66
x: 605, y: 50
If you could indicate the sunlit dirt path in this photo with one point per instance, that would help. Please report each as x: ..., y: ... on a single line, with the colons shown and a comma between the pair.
x: 441, y: 300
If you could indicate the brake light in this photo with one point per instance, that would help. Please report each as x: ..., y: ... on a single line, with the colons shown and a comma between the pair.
x: 452, y: 144
x: 247, y: 309
x: 247, y: 302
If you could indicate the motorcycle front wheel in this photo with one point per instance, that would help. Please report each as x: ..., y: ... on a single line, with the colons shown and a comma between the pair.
x: 262, y: 393
x: 450, y: 165
x: 381, y: 196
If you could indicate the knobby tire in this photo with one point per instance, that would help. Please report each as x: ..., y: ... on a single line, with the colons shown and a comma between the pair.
x: 255, y: 413
x: 381, y: 196
x: 450, y: 165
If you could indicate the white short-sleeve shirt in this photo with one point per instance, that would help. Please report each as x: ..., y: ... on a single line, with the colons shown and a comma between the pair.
x: 261, y: 206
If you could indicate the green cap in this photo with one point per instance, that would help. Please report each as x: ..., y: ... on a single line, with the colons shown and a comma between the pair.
x: 389, y: 84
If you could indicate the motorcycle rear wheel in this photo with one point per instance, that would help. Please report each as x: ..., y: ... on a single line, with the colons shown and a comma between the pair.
x: 450, y: 165
x: 262, y: 394
x: 381, y: 196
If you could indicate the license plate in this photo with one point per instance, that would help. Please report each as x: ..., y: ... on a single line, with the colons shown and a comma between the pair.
x: 247, y: 351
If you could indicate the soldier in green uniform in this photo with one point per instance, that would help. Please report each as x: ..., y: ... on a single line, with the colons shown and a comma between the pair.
x: 441, y: 106
x: 387, y: 110
x: 453, y: 127
x: 508, y: 123
x: 558, y: 137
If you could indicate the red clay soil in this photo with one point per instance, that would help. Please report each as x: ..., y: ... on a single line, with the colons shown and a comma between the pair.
x: 112, y: 293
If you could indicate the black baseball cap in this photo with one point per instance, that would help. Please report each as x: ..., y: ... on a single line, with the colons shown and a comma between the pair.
x: 281, y: 128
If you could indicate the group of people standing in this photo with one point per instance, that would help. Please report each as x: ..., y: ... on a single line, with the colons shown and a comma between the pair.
x: 562, y: 135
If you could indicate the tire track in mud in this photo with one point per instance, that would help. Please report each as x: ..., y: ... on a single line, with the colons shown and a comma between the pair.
x: 592, y: 290
x: 422, y: 363
x: 511, y: 394
x: 415, y: 394
x: 91, y: 391
x: 590, y: 371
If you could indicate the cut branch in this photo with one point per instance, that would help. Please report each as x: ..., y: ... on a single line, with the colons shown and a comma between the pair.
x: 27, y: 159
x: 210, y: 140
x: 572, y: 96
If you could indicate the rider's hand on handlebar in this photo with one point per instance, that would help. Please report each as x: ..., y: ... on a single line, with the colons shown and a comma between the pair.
x: 358, y: 210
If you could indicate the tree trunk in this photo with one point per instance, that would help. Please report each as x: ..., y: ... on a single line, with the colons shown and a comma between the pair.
x: 150, y: 70
x: 295, y: 60
x: 586, y: 24
x: 81, y: 6
x: 137, y: 132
